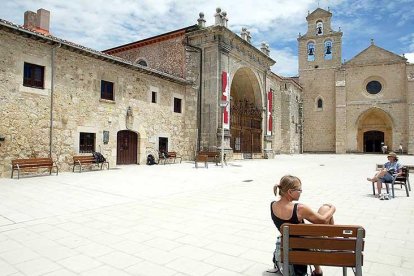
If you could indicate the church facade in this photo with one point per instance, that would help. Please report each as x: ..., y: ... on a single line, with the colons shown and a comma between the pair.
x: 357, y: 105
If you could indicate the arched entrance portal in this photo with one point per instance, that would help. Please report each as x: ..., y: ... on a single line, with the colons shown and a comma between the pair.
x: 374, y: 127
x: 246, y: 113
x: 126, y: 147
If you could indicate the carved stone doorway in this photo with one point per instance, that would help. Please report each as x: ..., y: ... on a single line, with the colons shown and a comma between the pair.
x: 246, y: 113
x: 374, y: 128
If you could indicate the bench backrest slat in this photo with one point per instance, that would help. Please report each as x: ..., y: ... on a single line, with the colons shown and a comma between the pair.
x: 323, y: 258
x: 317, y: 230
x: 322, y: 243
x: 83, y: 158
x: 208, y: 153
x: 30, y: 162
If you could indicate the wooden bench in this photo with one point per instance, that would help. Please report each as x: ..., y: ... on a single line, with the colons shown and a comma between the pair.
x: 201, y: 158
x: 33, y: 164
x: 403, y: 180
x: 86, y: 160
x: 171, y: 155
x: 209, y: 156
x: 323, y: 244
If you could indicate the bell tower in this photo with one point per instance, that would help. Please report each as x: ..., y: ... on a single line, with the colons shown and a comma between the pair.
x: 319, y: 58
x: 320, y: 47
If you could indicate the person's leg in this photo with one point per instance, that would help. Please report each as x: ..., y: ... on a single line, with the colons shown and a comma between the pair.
x: 323, y: 210
x: 379, y: 174
x: 379, y: 186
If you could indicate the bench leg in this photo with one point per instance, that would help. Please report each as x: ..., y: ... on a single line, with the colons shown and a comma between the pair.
x: 344, y: 272
x: 373, y: 188
x: 12, y: 174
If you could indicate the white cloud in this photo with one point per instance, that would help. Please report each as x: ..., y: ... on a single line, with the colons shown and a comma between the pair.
x: 286, y: 62
x: 101, y: 24
x: 409, y: 57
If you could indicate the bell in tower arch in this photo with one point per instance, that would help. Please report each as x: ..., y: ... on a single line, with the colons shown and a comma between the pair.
x: 328, y: 49
x: 319, y: 28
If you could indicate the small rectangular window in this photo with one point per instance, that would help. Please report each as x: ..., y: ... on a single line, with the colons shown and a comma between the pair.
x: 107, y: 90
x: 154, y: 97
x: 86, y: 142
x: 177, y: 105
x: 33, y: 75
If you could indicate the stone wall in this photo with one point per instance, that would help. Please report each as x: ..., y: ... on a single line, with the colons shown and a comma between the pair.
x: 167, y: 55
x: 319, y: 123
x: 78, y: 107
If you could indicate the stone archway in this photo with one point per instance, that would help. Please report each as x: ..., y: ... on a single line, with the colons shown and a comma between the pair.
x: 374, y: 127
x: 246, y: 113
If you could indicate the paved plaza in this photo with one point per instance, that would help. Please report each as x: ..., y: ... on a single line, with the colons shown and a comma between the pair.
x: 178, y: 220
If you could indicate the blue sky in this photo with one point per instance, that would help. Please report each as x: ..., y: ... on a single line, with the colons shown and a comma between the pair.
x: 101, y: 24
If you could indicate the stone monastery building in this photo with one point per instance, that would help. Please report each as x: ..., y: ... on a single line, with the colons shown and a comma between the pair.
x: 180, y: 91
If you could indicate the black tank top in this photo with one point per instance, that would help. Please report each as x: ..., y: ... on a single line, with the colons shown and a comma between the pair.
x: 293, y: 219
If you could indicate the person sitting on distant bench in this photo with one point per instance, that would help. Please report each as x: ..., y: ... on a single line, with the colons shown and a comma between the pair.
x: 386, y: 174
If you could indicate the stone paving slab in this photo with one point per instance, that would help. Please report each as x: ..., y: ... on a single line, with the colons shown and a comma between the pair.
x: 178, y: 220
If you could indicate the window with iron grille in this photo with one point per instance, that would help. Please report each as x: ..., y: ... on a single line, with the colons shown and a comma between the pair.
x: 107, y: 90
x: 177, y: 105
x: 33, y: 75
x: 86, y: 142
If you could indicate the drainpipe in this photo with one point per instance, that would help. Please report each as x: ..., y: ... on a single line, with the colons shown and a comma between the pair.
x: 52, y: 90
x: 199, y: 50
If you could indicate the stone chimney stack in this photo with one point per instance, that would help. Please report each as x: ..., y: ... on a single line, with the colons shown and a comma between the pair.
x: 265, y: 48
x: 38, y: 22
x: 30, y: 20
x: 218, y: 17
x: 201, y: 20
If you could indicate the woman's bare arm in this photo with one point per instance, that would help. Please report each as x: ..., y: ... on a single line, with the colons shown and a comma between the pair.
x: 305, y: 212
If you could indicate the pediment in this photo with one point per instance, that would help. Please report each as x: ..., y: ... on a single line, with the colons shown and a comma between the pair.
x: 375, y: 55
x: 318, y: 13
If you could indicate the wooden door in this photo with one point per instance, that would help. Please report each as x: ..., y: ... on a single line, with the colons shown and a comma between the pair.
x: 126, y: 147
x: 246, y: 127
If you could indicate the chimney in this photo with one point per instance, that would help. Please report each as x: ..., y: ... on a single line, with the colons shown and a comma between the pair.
x: 201, y: 20
x: 38, y: 22
x: 30, y: 19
